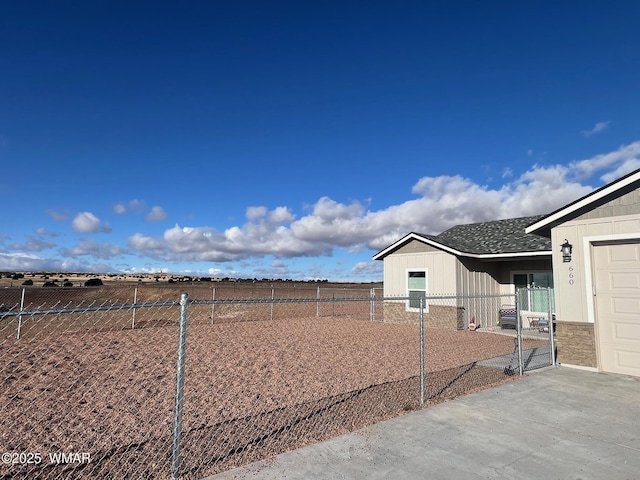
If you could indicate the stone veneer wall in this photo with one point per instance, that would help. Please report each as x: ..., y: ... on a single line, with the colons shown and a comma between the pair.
x: 576, y: 342
x: 438, y: 316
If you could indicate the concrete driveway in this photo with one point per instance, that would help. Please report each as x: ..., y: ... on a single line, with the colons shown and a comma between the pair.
x: 556, y: 423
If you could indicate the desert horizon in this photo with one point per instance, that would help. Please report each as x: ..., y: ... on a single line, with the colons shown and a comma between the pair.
x: 78, y: 279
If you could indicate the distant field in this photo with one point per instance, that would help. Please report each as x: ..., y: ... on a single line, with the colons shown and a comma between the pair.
x: 78, y: 279
x: 56, y: 303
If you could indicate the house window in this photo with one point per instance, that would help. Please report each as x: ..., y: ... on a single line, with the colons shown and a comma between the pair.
x: 531, y: 300
x: 416, y: 289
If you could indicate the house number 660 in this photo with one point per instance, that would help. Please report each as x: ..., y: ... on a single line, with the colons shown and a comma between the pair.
x: 571, y: 276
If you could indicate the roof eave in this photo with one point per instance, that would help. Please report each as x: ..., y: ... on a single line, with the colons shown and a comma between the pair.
x: 486, y: 256
x: 481, y: 256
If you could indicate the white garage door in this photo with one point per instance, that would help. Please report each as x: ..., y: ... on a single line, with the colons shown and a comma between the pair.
x: 617, y: 289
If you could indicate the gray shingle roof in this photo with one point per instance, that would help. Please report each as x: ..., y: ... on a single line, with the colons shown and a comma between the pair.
x: 500, y: 236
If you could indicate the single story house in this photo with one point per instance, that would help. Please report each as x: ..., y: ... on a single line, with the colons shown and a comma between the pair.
x: 597, y: 280
x: 586, y: 253
x: 481, y: 259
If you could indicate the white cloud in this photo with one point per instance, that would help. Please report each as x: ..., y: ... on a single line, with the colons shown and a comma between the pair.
x: 278, y: 269
x: 438, y: 203
x: 255, y: 213
x: 91, y: 248
x: 623, y: 169
x: 152, y: 270
x: 32, y: 244
x: 29, y: 262
x: 598, y: 127
x: 617, y: 163
x: 441, y: 202
x: 44, y: 232
x: 87, y: 222
x: 146, y: 244
x: 370, y: 269
x: 157, y: 214
x: 120, y: 208
x: 57, y: 216
x: 132, y: 206
x: 328, y: 209
x: 281, y: 215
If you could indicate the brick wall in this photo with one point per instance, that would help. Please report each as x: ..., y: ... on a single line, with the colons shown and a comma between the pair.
x: 576, y: 342
x: 438, y: 316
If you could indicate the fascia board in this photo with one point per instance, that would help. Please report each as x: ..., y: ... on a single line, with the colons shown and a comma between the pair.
x: 509, y: 255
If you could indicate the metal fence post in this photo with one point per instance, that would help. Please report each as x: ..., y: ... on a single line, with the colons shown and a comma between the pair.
x: 372, y: 305
x: 421, y: 351
x: 552, y: 343
x: 213, y: 305
x: 177, y: 418
x: 273, y: 296
x: 519, y: 331
x: 20, y: 316
x: 333, y: 304
x: 135, y: 301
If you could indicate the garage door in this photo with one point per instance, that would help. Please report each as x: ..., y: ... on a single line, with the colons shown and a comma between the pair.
x: 617, y: 289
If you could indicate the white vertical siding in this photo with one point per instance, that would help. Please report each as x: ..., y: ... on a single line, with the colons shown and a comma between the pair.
x: 440, y: 266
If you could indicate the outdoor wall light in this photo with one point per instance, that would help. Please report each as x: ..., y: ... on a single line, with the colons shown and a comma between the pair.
x: 566, y: 249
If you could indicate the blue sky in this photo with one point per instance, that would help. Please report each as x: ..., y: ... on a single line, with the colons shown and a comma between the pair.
x: 296, y: 139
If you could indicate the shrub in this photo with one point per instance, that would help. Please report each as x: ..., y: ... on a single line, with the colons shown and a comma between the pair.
x: 93, y: 282
x: 27, y: 283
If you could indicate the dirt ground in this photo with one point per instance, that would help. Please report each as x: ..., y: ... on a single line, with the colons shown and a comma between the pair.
x: 252, y: 390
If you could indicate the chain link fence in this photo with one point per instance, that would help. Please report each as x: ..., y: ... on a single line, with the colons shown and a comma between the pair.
x: 148, y: 383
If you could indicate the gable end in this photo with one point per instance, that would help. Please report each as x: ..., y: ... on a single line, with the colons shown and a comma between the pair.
x: 415, y: 246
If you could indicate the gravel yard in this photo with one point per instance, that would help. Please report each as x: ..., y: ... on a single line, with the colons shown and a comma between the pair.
x: 252, y: 390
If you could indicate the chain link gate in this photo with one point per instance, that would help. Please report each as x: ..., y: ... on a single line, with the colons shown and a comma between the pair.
x: 536, y: 321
